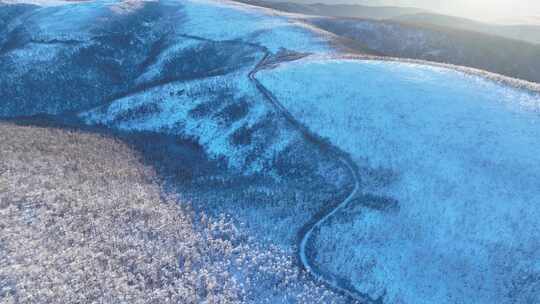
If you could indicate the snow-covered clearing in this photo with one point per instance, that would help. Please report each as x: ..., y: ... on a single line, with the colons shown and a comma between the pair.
x: 461, y: 157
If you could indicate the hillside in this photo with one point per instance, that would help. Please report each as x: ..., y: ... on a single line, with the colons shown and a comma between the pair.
x: 511, y: 50
x: 180, y: 94
x: 84, y: 220
x: 280, y: 164
x: 525, y: 32
x: 337, y: 10
x: 508, y: 57
x: 128, y: 55
x: 449, y: 178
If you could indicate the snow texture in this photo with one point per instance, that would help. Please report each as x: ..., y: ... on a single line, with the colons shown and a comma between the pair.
x: 225, y: 20
x: 455, y: 159
x: 178, y: 67
x: 170, y: 107
x: 65, y: 22
x: 224, y: 114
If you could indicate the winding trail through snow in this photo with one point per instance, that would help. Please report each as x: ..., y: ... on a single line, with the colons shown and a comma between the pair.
x: 319, y: 219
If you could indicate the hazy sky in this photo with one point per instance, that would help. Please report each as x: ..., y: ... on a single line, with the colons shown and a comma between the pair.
x: 480, y: 9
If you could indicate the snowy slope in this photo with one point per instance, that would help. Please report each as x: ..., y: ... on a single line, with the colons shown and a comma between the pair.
x: 457, y: 153
x: 226, y: 20
x: 116, y: 58
x: 223, y: 114
x: 65, y: 58
x: 76, y: 56
x: 510, y: 57
x: 180, y: 69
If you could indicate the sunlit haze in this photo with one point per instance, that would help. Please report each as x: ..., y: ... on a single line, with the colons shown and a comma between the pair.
x: 489, y: 10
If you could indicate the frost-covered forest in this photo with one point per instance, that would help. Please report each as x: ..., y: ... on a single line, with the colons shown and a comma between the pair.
x: 83, y: 220
x: 450, y: 172
x: 209, y: 151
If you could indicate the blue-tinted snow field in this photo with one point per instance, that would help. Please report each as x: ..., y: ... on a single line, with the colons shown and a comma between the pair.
x: 449, y: 207
x: 450, y: 165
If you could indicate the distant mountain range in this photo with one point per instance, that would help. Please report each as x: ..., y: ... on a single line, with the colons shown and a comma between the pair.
x: 338, y: 10
x: 528, y: 31
x: 530, y: 20
x: 525, y: 32
x: 511, y: 50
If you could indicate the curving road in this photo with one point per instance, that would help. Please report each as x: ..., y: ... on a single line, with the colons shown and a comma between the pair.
x: 320, y: 219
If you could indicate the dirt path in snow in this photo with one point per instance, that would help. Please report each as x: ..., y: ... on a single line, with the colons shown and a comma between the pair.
x: 321, y: 218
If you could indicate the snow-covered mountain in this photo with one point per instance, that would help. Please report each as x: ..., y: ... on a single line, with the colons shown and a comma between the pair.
x: 511, y: 50
x: 415, y: 39
x: 177, y: 67
x: 396, y: 181
x: 453, y: 160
